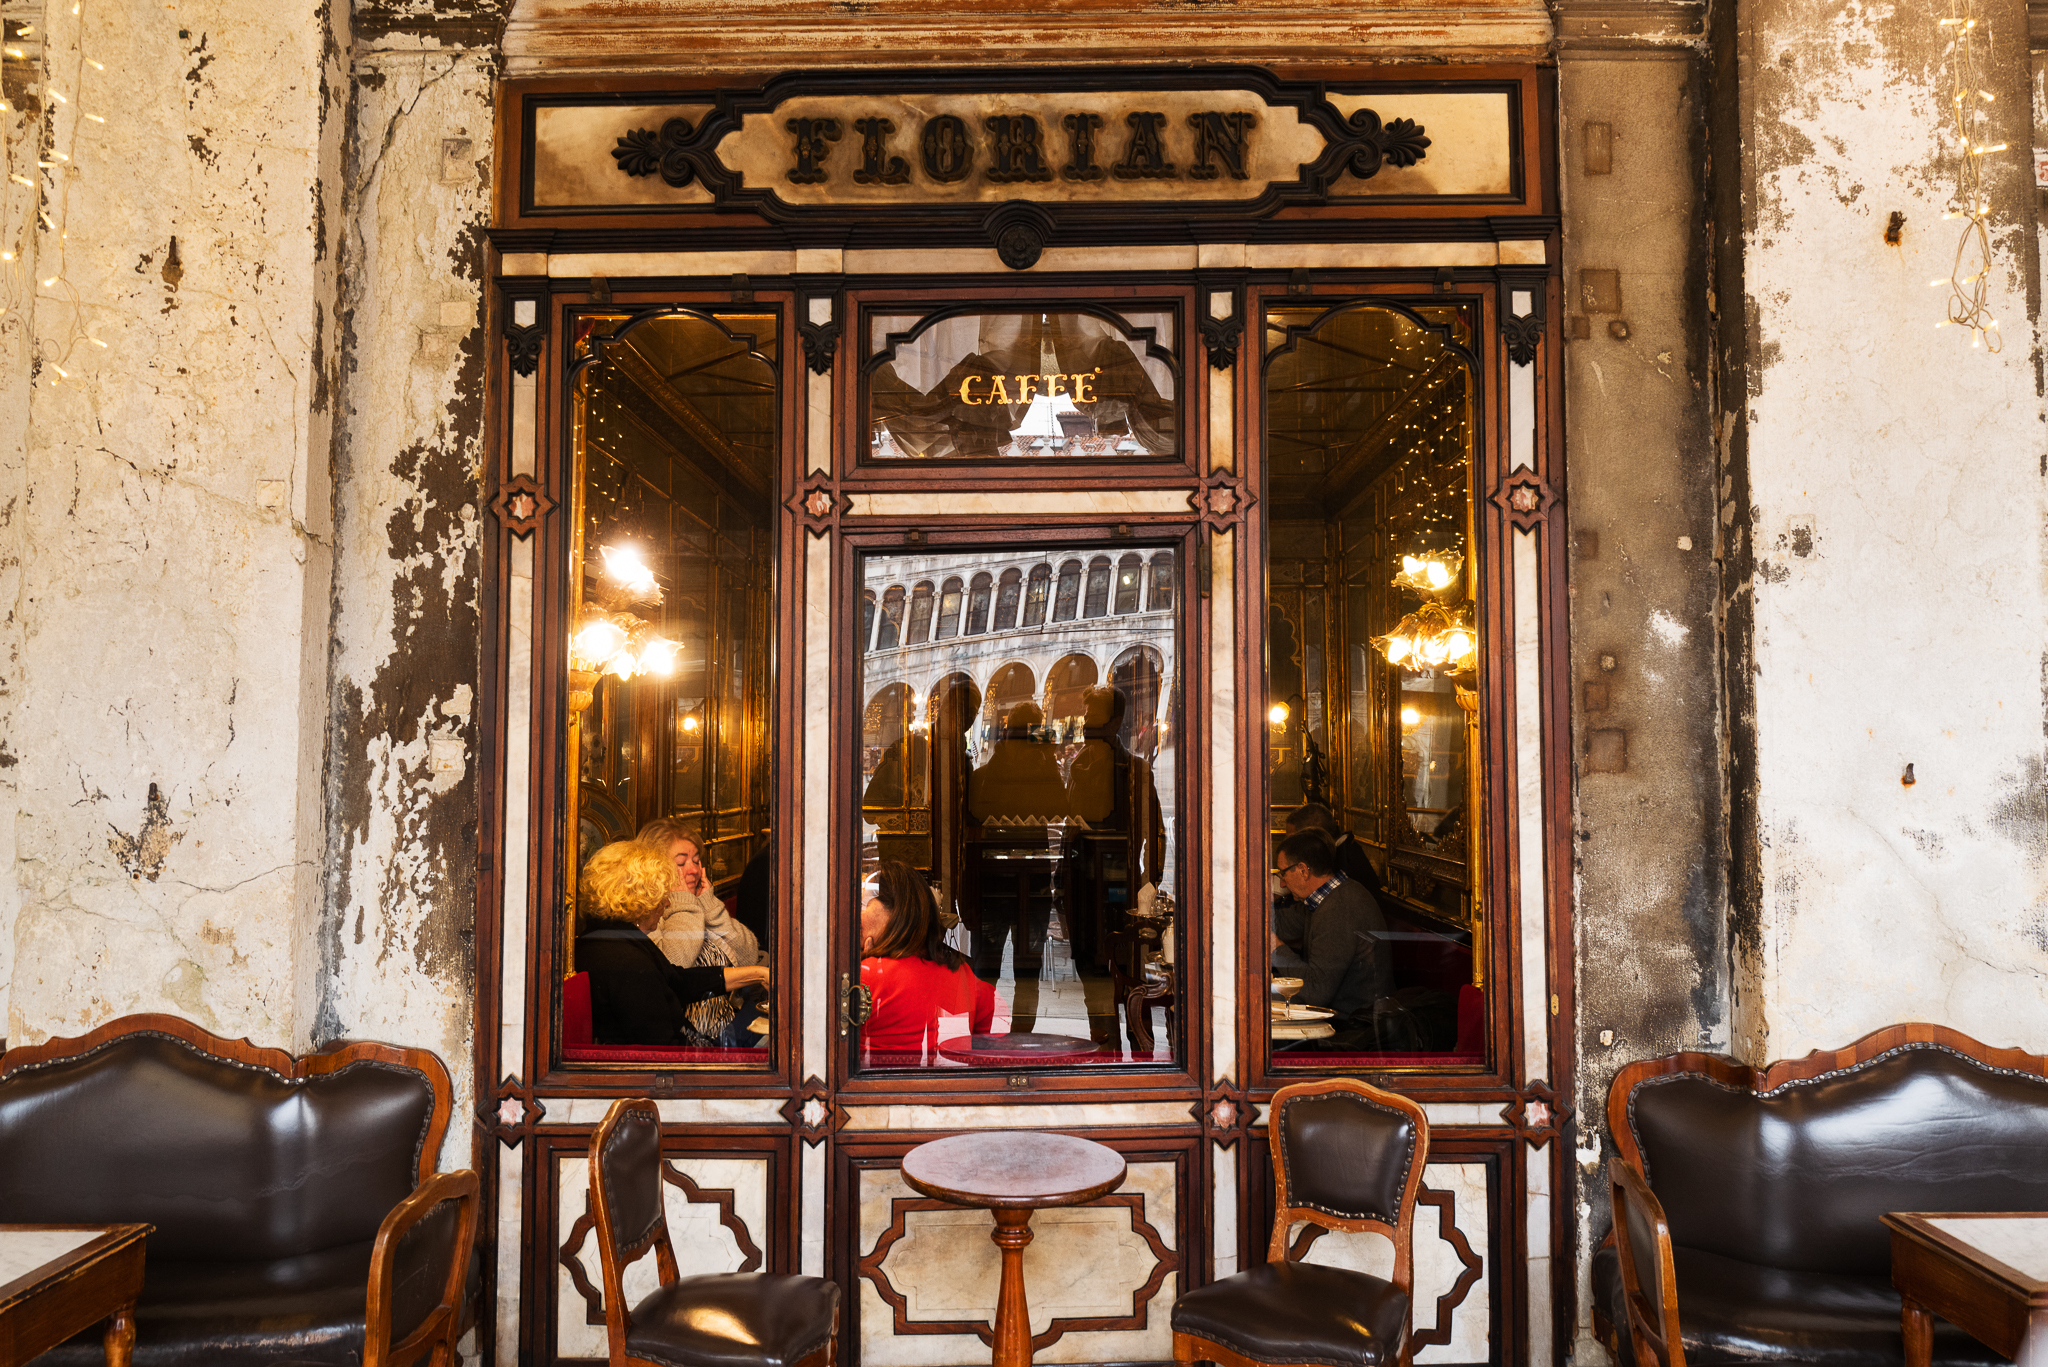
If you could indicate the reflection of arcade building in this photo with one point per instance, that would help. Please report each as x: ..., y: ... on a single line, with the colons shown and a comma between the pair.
x: 1038, y: 629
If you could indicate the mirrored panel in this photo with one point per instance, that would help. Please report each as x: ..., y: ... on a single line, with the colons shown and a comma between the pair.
x: 1020, y: 808
x: 668, y: 936
x: 1372, y: 678
x: 1021, y: 384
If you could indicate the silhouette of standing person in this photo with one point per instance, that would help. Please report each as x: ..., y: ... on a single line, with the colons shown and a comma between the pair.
x: 1018, y: 787
x: 955, y: 704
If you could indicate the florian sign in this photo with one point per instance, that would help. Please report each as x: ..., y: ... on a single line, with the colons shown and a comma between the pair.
x: 945, y: 153
x: 813, y: 149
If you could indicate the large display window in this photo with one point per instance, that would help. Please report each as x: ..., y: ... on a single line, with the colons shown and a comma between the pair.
x: 674, y: 437
x: 1020, y: 814
x: 1373, y: 698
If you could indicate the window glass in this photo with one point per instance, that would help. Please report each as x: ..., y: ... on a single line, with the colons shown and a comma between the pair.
x: 995, y: 384
x: 977, y: 606
x: 1160, y: 595
x: 920, y: 615
x: 949, y: 610
x: 892, y: 618
x: 1069, y: 596
x: 1129, y: 585
x: 1034, y: 602
x: 1372, y: 676
x: 1097, y: 601
x: 675, y: 441
x: 1006, y: 600
x: 1029, y: 776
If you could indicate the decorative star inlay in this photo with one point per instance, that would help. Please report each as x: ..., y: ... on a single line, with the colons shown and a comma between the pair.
x: 818, y: 505
x: 512, y: 1112
x: 521, y: 504
x: 1225, y: 1111
x: 1526, y: 497
x: 1537, y: 1114
x: 813, y: 1112
x: 1221, y: 499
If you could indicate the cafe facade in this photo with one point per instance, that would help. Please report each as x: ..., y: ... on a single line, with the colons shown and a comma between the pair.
x: 1046, y: 451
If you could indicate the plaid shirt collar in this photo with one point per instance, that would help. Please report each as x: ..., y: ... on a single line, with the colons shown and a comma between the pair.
x: 1321, y: 894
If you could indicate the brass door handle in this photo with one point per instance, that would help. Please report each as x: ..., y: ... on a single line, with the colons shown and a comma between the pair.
x: 856, y: 1003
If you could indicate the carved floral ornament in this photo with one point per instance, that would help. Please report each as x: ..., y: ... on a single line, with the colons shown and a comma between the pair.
x: 797, y: 146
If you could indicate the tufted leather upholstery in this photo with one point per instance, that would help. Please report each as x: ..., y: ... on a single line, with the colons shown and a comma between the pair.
x: 1346, y: 1155
x: 1774, y: 1199
x: 1299, y: 1312
x: 266, y: 1191
x: 737, y: 1319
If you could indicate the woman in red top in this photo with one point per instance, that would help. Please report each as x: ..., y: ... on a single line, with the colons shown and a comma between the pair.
x: 914, y: 975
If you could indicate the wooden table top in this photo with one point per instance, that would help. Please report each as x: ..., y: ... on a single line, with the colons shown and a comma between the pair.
x: 1020, y: 1048
x: 31, y: 1256
x: 1016, y: 1169
x: 2009, y: 1248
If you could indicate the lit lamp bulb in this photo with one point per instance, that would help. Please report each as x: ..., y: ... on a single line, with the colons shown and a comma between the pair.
x: 623, y: 563
x: 1429, y: 573
x: 1277, y: 714
x: 690, y: 724
x: 597, y: 643
x: 1410, y: 718
x: 658, y: 657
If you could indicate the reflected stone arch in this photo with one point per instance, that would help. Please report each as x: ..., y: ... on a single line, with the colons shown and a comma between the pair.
x: 1008, y: 686
x: 1065, y: 684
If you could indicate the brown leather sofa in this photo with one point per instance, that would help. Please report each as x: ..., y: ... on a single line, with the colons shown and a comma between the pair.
x: 266, y: 1177
x: 1774, y: 1180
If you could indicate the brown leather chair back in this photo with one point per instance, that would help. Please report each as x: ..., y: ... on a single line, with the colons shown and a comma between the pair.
x: 626, y: 1205
x: 1347, y: 1156
x: 418, y: 1272
x: 1797, y: 1176
x: 1649, y: 1277
x: 248, y: 1156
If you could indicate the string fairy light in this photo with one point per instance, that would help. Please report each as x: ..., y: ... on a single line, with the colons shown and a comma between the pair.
x: 1969, y: 279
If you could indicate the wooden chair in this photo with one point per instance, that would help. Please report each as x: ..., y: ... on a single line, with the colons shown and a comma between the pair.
x: 706, y: 1321
x: 419, y: 1274
x: 1348, y: 1157
x: 1649, y: 1278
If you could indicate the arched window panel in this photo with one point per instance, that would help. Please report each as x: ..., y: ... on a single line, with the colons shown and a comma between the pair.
x: 1373, y: 659
x: 920, y: 615
x: 1159, y: 594
x: 674, y: 443
x: 949, y: 610
x: 1096, y: 602
x: 889, y: 629
x: 1034, y: 788
x: 1073, y: 382
x: 1130, y: 584
x: 1067, y: 600
x: 1035, y: 595
x: 977, y: 605
x: 1007, y: 590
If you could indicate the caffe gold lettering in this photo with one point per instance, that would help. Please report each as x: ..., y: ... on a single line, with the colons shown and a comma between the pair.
x: 1054, y: 385
x: 1010, y: 148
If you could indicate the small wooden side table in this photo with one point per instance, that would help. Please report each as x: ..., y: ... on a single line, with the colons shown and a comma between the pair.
x: 1987, y: 1274
x: 56, y: 1280
x: 1012, y: 1173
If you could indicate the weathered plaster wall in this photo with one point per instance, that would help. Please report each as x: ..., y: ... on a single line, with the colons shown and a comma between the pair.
x: 165, y: 686
x: 396, y: 955
x: 1651, y: 900
x: 1894, y: 517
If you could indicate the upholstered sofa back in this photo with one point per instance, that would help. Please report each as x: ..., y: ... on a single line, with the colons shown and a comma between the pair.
x: 229, y: 1158
x: 1796, y: 1176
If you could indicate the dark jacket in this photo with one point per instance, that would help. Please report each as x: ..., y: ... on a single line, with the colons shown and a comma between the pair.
x: 1353, y: 863
x: 637, y: 997
x: 1348, y: 967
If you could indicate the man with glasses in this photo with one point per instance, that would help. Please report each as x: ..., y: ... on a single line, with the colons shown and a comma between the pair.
x: 1335, y: 927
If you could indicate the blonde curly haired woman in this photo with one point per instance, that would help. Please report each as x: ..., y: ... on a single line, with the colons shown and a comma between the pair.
x: 637, y: 997
x: 698, y: 932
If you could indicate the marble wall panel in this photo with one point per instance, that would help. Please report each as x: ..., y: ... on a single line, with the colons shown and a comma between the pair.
x: 729, y: 1191
x: 1113, y: 1262
x: 1453, y: 1285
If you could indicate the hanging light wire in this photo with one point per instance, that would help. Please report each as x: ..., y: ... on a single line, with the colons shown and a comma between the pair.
x: 1969, y: 278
